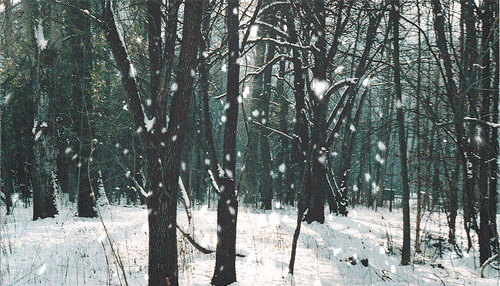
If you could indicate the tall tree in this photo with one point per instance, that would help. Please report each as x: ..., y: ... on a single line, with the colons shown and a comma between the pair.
x: 43, y: 62
x: 81, y: 52
x: 395, y: 10
x: 227, y: 207
x: 163, y: 141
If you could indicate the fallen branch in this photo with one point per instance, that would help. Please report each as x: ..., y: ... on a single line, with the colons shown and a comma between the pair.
x: 198, y: 246
x: 491, y: 259
x: 194, y: 243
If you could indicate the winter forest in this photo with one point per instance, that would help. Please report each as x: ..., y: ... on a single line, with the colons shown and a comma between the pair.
x: 249, y: 142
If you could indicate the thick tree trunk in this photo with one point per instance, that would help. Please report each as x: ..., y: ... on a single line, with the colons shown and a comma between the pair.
x: 82, y: 53
x: 45, y: 167
x: 163, y: 203
x: 316, y: 209
x: 163, y: 160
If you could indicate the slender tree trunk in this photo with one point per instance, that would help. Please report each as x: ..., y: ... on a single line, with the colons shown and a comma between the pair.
x: 494, y: 166
x: 284, y: 154
x: 405, y: 258
x: 417, y: 131
x: 457, y: 105
x: 299, y: 145
x: 227, y: 207
x: 266, y: 186
x: 486, y: 233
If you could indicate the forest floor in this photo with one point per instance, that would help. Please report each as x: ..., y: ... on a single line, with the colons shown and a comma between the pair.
x: 68, y: 250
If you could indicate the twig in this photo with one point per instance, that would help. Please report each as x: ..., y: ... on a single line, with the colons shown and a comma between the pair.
x: 488, y: 262
x: 272, y: 129
x: 194, y: 243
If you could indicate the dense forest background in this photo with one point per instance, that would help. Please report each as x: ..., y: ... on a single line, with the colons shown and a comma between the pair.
x: 322, y: 104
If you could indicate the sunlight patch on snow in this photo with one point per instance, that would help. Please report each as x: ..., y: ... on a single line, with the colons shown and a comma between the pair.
x: 274, y: 219
x: 336, y: 251
x: 261, y: 220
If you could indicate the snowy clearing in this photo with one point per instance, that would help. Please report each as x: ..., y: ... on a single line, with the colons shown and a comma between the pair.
x: 69, y: 250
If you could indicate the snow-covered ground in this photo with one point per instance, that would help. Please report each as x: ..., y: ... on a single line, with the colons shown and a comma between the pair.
x: 69, y: 250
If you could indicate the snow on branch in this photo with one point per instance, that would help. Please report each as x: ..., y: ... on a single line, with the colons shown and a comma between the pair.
x: 482, y: 122
x: 214, y: 182
x: 269, y: 64
x: 272, y: 129
x: 275, y: 28
x: 285, y: 44
x: 186, y: 202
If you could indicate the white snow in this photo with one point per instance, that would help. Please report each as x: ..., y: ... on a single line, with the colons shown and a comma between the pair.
x: 174, y: 87
x: 133, y: 71
x: 246, y: 92
x: 40, y: 38
x: 282, y: 168
x: 381, y: 146
x: 319, y: 87
x: 68, y: 250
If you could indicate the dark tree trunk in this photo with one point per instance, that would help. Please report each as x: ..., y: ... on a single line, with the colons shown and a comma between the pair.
x: 266, y: 186
x: 163, y: 202
x: 486, y: 231
x: 299, y: 145
x: 457, y: 106
x: 81, y: 52
x: 494, y: 172
x: 45, y: 167
x: 227, y: 207
x: 316, y: 209
x: 405, y: 258
x: 284, y: 153
x: 163, y: 160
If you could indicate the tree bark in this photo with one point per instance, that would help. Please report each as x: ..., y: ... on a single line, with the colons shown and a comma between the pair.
x: 405, y: 258
x: 44, y: 60
x: 227, y: 207
x: 81, y: 51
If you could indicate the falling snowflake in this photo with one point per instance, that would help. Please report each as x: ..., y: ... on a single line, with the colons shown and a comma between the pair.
x: 174, y: 87
x: 282, y: 168
x: 319, y: 87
